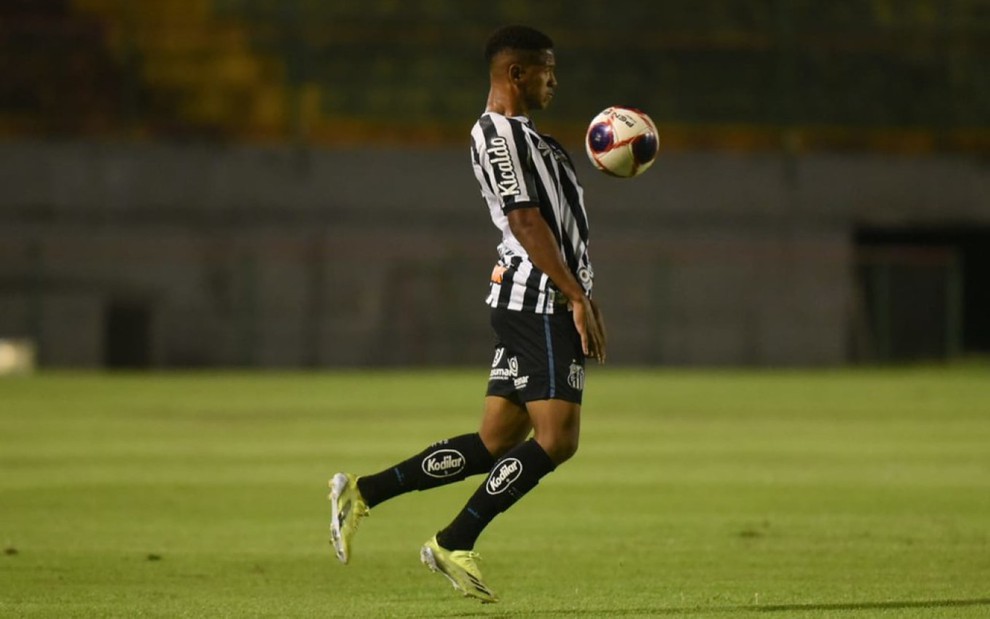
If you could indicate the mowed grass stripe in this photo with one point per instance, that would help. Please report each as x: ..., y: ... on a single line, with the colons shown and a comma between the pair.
x: 851, y: 493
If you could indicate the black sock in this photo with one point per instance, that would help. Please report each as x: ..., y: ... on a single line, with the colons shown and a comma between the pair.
x: 441, y: 463
x: 514, y: 475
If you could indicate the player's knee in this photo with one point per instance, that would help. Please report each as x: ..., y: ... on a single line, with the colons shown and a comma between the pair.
x: 561, y: 449
x: 503, y: 448
x: 498, y: 444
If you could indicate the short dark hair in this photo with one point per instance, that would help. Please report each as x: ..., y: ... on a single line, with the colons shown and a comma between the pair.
x: 516, y: 37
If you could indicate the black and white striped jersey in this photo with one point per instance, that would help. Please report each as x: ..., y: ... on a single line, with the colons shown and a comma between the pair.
x: 516, y: 167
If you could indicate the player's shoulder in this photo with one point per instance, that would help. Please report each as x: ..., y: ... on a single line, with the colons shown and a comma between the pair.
x: 494, y: 131
x: 549, y: 139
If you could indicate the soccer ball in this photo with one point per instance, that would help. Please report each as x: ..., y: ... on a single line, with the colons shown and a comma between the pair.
x: 622, y: 141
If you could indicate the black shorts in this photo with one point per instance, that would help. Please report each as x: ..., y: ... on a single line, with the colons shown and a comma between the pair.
x: 537, y: 357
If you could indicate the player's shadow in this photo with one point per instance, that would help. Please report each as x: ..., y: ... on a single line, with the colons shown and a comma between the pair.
x: 618, y: 611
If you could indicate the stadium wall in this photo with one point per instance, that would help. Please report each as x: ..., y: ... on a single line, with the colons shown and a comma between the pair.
x: 182, y: 255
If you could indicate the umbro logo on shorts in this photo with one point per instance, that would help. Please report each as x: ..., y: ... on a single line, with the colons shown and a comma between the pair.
x: 506, y: 373
x: 499, y: 353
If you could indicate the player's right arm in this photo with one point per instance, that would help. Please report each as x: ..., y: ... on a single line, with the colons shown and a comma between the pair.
x: 533, y: 233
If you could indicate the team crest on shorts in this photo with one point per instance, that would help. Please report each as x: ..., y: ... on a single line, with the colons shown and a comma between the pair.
x: 576, y: 377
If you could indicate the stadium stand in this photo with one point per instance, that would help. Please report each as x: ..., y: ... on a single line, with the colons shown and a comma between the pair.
x: 863, y: 73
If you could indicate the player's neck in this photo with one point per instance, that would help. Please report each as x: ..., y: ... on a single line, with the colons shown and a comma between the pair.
x: 504, y: 103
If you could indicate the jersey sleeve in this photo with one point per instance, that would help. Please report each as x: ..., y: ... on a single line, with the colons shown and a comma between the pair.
x: 507, y: 162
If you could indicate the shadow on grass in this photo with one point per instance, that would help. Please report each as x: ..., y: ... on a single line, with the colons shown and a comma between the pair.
x: 730, y: 610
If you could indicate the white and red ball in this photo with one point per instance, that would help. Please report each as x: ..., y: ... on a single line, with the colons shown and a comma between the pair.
x: 622, y: 141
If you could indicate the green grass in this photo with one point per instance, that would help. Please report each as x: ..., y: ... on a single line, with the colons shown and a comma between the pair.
x: 702, y: 494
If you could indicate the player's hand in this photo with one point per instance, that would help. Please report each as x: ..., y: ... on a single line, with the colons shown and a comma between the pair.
x: 600, y: 321
x: 587, y: 320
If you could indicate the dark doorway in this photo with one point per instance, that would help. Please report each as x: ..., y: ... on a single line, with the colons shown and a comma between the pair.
x: 127, y: 335
x: 924, y: 293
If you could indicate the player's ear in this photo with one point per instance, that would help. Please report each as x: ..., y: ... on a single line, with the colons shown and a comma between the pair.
x: 515, y: 72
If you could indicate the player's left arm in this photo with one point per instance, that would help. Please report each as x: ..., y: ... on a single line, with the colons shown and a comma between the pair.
x: 532, y: 231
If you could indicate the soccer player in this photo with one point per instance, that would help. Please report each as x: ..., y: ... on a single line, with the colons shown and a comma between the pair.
x: 544, y: 320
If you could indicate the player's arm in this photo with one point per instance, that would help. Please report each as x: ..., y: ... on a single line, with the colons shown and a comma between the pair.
x: 532, y: 231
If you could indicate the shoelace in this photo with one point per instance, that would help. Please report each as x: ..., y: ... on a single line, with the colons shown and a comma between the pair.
x: 471, y: 558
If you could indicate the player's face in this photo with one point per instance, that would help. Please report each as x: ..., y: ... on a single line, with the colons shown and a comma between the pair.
x: 539, y: 81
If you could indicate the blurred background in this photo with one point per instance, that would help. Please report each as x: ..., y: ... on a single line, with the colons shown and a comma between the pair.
x: 286, y: 183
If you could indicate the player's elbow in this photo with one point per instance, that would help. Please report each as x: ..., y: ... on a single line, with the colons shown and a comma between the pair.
x: 523, y: 221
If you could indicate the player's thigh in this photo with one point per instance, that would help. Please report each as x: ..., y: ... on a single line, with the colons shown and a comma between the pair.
x: 556, y: 426
x: 505, y: 424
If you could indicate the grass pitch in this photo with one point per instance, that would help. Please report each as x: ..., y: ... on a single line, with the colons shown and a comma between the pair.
x: 695, y: 494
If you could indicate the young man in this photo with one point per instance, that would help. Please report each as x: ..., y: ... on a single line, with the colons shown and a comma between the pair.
x: 541, y: 310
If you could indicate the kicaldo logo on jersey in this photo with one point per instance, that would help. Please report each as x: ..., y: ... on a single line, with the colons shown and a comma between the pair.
x: 443, y: 463
x: 507, y: 472
x: 505, y: 172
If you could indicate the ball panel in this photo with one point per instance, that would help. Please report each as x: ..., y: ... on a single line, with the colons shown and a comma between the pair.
x: 618, y: 162
x: 600, y: 137
x: 644, y: 148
